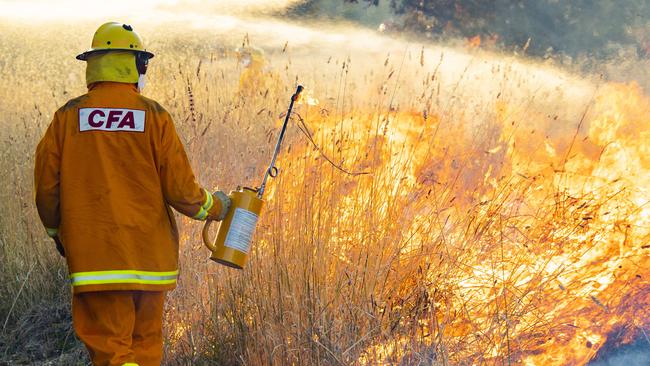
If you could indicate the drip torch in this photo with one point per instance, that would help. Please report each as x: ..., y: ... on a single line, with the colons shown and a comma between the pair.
x: 232, y: 243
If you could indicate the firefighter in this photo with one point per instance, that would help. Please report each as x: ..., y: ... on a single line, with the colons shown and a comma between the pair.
x: 255, y: 79
x: 107, y: 171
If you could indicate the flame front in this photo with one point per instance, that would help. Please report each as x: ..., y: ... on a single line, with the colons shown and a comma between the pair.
x: 514, y: 243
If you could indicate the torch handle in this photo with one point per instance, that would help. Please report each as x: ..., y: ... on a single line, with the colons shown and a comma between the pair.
x: 205, y: 234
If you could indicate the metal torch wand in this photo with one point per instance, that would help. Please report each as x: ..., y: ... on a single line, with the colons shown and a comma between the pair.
x: 272, y: 170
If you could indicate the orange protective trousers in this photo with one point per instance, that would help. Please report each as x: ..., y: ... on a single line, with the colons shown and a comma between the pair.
x: 120, y: 327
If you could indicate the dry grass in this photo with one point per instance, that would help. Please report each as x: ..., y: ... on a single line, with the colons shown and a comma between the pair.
x: 488, y: 231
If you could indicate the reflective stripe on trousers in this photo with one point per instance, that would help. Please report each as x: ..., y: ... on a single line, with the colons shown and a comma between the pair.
x: 123, y: 276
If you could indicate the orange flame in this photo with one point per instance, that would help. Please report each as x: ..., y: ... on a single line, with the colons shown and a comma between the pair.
x: 474, y: 42
x: 557, y: 227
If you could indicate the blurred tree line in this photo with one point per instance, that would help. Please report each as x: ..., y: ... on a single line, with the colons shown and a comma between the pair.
x: 553, y: 26
x: 569, y: 27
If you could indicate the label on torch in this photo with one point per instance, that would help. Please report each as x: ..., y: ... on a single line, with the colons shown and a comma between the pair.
x: 241, y: 230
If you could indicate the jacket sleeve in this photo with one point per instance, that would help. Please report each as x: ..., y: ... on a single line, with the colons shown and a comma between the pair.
x: 178, y: 183
x: 46, y: 178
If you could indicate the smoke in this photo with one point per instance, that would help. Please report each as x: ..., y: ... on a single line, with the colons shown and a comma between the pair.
x: 573, y: 28
x: 370, y: 14
x: 632, y: 357
x: 606, y: 38
x: 637, y: 353
x: 601, y: 37
x: 593, y: 28
x: 231, y: 7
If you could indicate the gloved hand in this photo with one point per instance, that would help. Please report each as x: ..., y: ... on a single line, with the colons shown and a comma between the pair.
x: 59, y: 246
x: 225, y: 204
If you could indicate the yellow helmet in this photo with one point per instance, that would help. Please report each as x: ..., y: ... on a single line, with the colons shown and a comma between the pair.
x: 117, y: 54
x: 114, y: 36
x: 252, y: 55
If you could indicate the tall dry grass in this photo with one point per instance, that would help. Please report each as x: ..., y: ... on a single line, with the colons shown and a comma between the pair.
x: 488, y: 230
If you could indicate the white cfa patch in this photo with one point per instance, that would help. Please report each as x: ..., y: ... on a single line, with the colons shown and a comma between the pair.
x: 111, y: 119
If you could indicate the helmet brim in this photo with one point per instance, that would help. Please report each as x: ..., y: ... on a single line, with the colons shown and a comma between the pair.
x: 84, y: 56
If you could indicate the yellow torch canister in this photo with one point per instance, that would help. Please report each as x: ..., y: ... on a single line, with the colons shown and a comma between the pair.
x: 233, y: 241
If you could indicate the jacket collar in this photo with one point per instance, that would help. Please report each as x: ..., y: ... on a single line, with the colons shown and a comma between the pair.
x: 114, y: 86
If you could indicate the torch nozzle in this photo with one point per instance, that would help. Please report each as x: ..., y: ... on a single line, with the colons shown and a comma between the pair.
x: 296, y: 95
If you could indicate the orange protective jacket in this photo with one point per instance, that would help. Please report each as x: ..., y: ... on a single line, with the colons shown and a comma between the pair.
x: 107, y: 170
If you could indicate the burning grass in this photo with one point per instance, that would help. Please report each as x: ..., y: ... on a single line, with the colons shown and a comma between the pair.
x: 504, y: 217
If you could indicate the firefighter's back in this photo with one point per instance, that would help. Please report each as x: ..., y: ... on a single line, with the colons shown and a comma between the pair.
x: 112, y: 205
